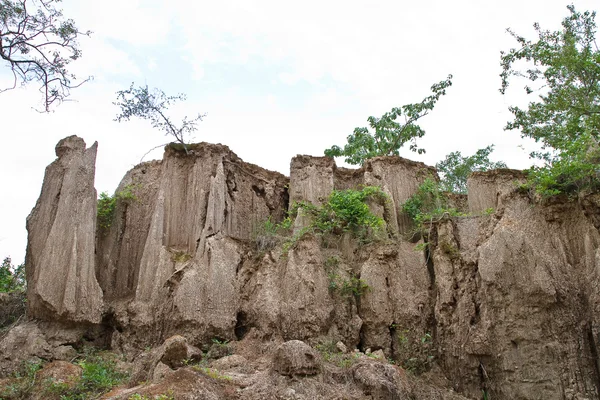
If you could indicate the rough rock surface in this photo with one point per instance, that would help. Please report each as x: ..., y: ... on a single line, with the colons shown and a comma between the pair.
x: 296, y: 358
x: 504, y: 303
x: 12, y: 308
x: 61, y: 279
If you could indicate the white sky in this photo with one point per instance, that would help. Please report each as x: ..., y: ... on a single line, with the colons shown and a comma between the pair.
x: 276, y: 78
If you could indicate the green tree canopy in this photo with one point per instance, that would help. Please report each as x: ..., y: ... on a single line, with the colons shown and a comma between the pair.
x: 37, y: 44
x: 563, y: 71
x: 11, y: 278
x: 455, y: 169
x: 387, y: 136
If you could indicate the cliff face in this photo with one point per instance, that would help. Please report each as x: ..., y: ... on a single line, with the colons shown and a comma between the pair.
x: 505, y: 302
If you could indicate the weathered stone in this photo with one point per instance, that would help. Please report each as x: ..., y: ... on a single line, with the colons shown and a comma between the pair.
x: 161, y: 370
x: 488, y: 189
x: 508, y: 302
x: 398, y: 295
x: 380, y: 381
x: 12, y: 308
x: 378, y: 355
x: 296, y: 358
x: 60, y: 373
x: 21, y: 343
x: 229, y: 362
x: 176, y: 351
x: 341, y: 347
x: 61, y: 244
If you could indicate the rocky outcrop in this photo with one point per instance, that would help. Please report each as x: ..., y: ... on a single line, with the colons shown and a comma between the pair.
x: 61, y: 279
x: 313, y: 178
x: 516, y: 301
x: 503, y: 302
x: 487, y: 190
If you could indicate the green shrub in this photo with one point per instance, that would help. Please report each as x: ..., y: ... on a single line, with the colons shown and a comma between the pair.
x: 12, y: 279
x: 428, y: 203
x: 21, y: 385
x: 99, y: 375
x: 106, y: 209
x: 332, y: 354
x: 107, y: 204
x: 270, y: 233
x: 414, y: 353
x: 344, y: 211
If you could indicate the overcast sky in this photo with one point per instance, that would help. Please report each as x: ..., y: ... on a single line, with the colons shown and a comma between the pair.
x: 276, y: 79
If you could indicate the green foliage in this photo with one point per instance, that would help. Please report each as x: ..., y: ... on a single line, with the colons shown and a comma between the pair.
x: 345, y: 211
x: 106, y: 209
x: 211, y: 373
x: 414, y: 352
x: 387, y: 135
x: 180, y: 256
x: 99, y: 375
x: 354, y: 287
x: 564, y: 68
x: 330, y: 353
x: 38, y: 44
x: 152, y: 105
x: 21, y: 385
x: 270, y: 233
x: 12, y: 279
x: 428, y: 203
x: 107, y: 204
x: 455, y: 169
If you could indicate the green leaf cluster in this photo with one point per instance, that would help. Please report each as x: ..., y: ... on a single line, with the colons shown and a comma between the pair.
x: 345, y: 211
x: 456, y: 168
x: 107, y: 204
x: 564, y: 73
x: 12, y: 279
x: 24, y: 380
x: 99, y: 375
x: 428, y: 203
x: 386, y: 135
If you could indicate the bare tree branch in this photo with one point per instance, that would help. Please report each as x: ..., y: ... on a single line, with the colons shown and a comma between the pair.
x: 38, y: 44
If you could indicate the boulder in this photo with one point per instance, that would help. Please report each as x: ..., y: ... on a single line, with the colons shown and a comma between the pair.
x: 380, y: 381
x: 296, y: 358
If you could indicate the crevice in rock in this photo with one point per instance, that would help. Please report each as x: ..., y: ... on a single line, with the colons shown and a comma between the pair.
x: 259, y: 191
x: 430, y: 267
x: 475, y: 318
x: 483, y: 380
x: 594, y: 356
x: 393, y: 342
x: 361, y: 340
x: 286, y: 198
x: 231, y: 183
x: 241, y: 325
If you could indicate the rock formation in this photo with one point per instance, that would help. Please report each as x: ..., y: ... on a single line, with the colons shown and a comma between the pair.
x: 61, y: 275
x: 504, y: 301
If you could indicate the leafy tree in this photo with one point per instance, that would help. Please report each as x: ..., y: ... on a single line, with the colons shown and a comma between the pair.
x: 152, y: 105
x: 388, y: 135
x: 11, y: 278
x: 563, y: 69
x: 455, y: 169
x: 38, y: 44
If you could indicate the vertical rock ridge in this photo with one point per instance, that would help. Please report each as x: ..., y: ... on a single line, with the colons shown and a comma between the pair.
x: 61, y: 229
